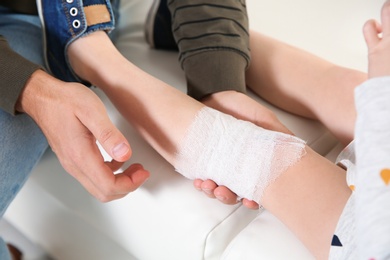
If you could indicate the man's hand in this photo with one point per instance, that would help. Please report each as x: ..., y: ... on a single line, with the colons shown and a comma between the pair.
x: 242, y: 107
x: 72, y: 118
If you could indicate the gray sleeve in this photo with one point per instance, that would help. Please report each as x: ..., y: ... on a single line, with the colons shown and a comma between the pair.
x: 213, y: 41
x: 14, y: 74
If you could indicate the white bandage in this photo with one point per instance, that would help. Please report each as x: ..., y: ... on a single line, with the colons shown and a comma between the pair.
x: 235, y: 153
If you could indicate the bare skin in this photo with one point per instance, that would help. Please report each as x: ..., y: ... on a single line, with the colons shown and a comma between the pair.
x: 304, y: 84
x: 379, y: 65
x: 297, y: 82
x: 51, y: 102
x: 312, y: 191
x: 243, y: 107
x: 151, y: 113
x: 378, y: 46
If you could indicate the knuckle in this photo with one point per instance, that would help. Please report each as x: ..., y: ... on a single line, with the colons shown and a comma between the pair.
x: 106, y: 194
x: 103, y: 198
x: 74, y: 160
x: 69, y: 164
x: 105, y: 135
x: 107, y: 191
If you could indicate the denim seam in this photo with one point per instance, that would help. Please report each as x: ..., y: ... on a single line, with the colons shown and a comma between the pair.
x: 84, y: 31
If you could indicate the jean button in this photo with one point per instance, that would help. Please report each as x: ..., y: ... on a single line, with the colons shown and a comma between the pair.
x: 69, y: 1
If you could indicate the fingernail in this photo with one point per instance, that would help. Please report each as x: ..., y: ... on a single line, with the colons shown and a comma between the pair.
x: 120, y: 150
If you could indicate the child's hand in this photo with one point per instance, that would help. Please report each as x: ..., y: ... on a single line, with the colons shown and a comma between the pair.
x: 378, y: 45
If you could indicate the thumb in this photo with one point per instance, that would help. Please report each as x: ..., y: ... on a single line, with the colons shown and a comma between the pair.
x: 113, y: 141
x: 108, y: 135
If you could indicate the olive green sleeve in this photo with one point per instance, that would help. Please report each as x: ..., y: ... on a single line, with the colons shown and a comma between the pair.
x: 14, y: 74
x: 213, y: 41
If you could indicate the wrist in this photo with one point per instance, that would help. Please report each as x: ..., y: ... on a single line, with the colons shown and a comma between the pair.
x: 34, y: 92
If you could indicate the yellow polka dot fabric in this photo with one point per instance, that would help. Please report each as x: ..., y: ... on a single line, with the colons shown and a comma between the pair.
x: 372, y: 187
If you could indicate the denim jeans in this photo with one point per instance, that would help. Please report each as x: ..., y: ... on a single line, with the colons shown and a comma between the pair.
x: 65, y: 21
x: 22, y: 145
x: 21, y: 141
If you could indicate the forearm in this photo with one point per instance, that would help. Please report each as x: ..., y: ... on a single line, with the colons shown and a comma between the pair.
x: 154, y: 108
x: 160, y: 113
x: 304, y: 84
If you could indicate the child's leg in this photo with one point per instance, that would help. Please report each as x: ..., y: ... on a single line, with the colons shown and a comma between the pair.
x: 304, y: 84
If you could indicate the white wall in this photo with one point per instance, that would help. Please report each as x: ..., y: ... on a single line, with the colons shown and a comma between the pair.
x: 331, y: 29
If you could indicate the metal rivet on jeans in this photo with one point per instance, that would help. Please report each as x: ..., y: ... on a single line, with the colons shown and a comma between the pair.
x: 69, y: 1
x: 73, y: 11
x: 76, y: 24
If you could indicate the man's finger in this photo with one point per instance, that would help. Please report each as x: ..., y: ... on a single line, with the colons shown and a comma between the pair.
x: 91, y: 164
x: 114, y: 165
x: 135, y: 175
x: 112, y: 140
x: 108, y: 135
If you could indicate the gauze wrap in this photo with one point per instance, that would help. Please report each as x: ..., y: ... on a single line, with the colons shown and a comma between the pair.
x: 235, y: 153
